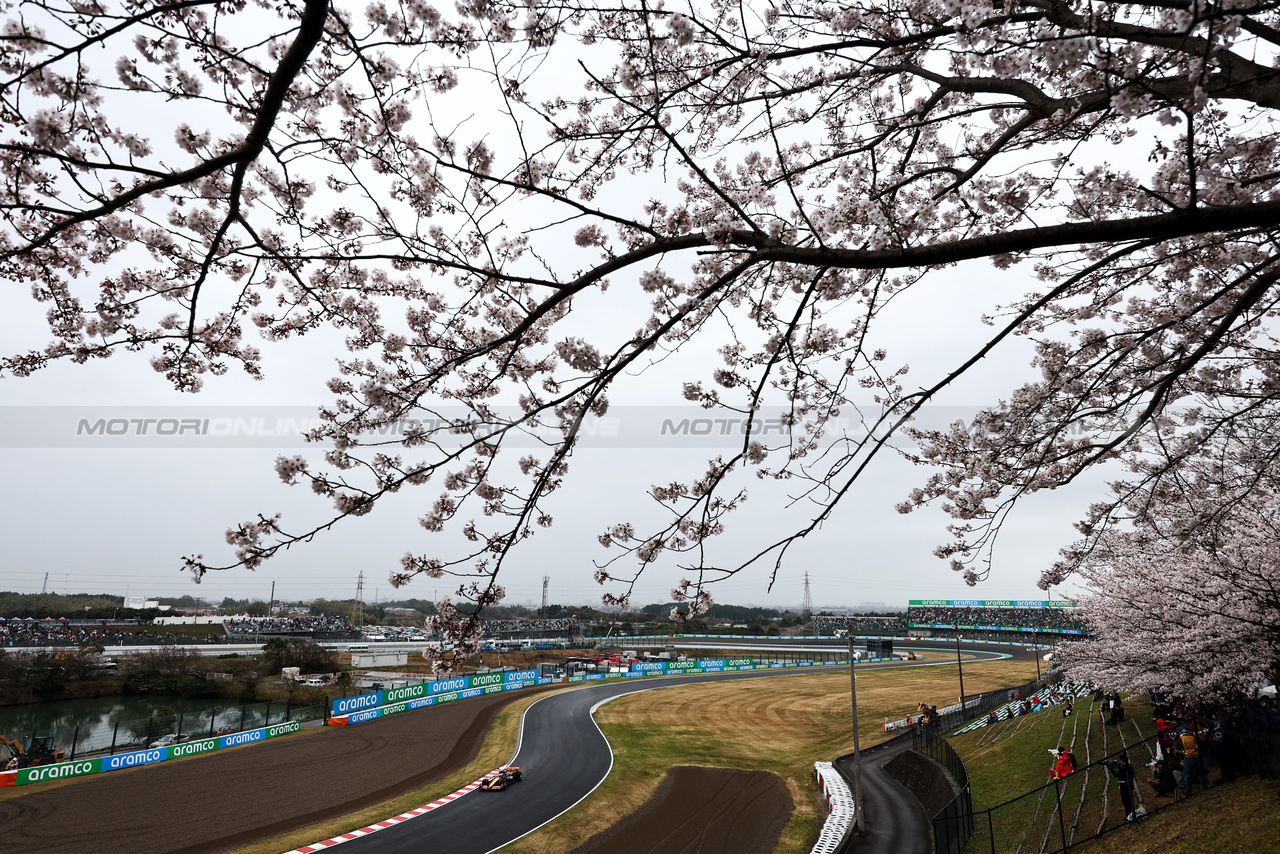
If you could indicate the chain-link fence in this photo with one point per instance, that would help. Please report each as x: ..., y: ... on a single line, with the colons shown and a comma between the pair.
x: 953, y: 824
x: 1096, y: 798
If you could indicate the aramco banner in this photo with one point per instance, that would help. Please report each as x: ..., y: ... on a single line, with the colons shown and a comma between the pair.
x: 136, y: 758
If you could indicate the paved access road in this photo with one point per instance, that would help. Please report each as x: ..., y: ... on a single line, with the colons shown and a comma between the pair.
x: 564, y: 757
x: 895, y: 822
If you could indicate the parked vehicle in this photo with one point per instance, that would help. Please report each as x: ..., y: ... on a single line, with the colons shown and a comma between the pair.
x: 32, y: 751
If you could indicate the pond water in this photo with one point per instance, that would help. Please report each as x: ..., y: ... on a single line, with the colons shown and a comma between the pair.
x: 95, y: 723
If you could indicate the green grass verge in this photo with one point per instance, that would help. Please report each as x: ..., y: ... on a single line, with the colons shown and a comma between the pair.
x: 1011, y: 760
x: 779, y: 725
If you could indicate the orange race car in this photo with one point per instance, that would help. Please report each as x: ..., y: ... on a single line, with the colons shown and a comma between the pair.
x: 501, y: 778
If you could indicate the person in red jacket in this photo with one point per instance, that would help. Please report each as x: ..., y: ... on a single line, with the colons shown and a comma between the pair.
x: 1062, y: 766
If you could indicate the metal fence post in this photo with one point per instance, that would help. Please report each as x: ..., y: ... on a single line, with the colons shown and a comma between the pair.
x: 1057, y: 791
x: 75, y: 736
x: 266, y: 715
x: 244, y: 710
x: 114, y: 733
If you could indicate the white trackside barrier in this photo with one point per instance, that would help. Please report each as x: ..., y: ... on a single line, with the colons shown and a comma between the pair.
x: 910, y: 720
x: 1054, y: 695
x: 840, y: 821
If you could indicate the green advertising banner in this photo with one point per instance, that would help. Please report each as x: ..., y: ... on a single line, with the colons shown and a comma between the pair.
x: 136, y: 758
x: 42, y: 773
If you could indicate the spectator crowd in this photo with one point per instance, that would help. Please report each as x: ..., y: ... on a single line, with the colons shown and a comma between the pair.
x: 1020, y: 618
x: 1039, y: 619
x: 21, y: 633
x: 860, y: 625
x: 1239, y: 738
x: 288, y: 625
x: 560, y: 626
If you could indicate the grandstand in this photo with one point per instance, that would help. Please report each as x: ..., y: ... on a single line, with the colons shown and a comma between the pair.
x: 316, y: 628
x: 996, y: 619
x: 869, y: 626
x: 1055, y: 617
x: 562, y: 627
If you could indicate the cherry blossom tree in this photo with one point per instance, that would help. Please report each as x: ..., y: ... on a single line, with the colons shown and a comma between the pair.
x: 446, y: 185
x: 1182, y: 606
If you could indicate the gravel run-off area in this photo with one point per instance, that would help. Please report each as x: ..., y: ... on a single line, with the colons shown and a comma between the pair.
x: 212, y: 803
x: 702, y: 811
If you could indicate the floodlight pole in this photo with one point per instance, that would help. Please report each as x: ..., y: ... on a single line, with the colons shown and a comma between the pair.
x: 1035, y: 646
x: 859, y: 819
x: 960, y: 667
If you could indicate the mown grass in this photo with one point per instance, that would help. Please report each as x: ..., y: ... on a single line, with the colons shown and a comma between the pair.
x: 780, y: 725
x: 1011, y: 760
x: 1243, y: 816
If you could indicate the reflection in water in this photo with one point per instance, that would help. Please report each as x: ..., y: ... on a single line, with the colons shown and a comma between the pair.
x: 92, y: 722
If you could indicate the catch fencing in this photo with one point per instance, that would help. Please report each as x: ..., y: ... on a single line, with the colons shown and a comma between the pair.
x: 1062, y: 813
x: 79, y: 741
x: 976, y: 706
x: 147, y: 756
x: 1089, y: 803
x: 953, y: 824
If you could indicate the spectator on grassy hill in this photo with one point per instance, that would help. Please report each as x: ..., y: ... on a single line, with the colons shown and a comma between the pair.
x: 1224, y: 747
x: 1202, y: 737
x: 1192, y: 770
x: 1068, y: 707
x: 1166, y: 736
x: 1125, y: 780
x: 1162, y: 779
x: 1116, y: 706
x: 1063, y: 765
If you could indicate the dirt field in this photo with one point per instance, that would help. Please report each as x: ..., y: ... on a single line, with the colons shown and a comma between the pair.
x: 702, y: 811
x: 212, y: 803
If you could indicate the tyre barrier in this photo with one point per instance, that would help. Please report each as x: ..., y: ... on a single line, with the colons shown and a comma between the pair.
x: 840, y: 817
x: 135, y: 758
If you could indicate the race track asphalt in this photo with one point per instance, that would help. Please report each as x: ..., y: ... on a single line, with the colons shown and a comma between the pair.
x: 894, y: 823
x: 563, y: 756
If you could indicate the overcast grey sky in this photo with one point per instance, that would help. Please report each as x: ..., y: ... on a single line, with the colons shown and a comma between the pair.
x: 106, y: 519
x: 99, y: 517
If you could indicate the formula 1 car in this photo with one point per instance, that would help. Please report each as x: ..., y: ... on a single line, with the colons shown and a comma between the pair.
x: 498, y: 780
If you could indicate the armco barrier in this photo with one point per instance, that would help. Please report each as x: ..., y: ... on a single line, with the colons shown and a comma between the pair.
x: 136, y: 758
x: 840, y: 818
